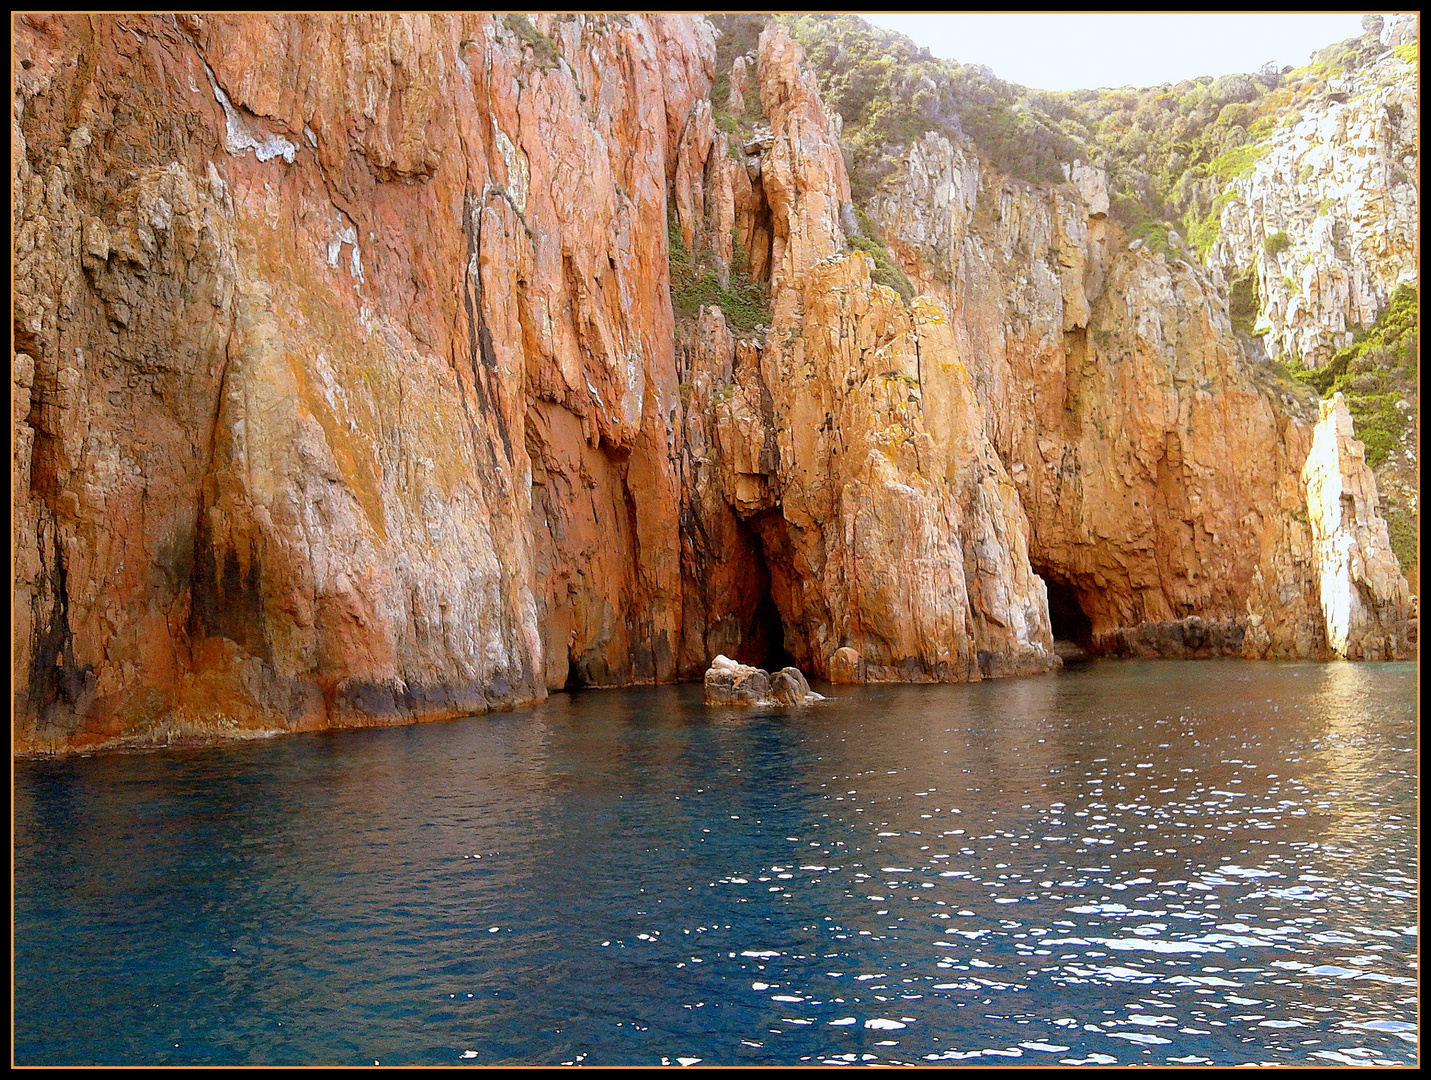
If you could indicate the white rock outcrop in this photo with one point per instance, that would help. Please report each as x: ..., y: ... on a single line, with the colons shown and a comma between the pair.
x: 1340, y: 183
x: 1365, y: 598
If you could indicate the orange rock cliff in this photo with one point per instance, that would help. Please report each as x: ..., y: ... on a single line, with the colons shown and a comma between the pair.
x: 349, y: 389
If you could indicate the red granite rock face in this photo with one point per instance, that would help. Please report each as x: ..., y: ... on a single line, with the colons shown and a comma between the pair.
x: 346, y: 382
x: 348, y: 389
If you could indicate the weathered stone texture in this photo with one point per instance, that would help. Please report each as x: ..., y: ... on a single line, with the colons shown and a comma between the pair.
x: 347, y: 388
x: 1364, y: 596
x: 1159, y: 476
x: 1341, y: 185
x: 731, y: 683
x: 308, y: 336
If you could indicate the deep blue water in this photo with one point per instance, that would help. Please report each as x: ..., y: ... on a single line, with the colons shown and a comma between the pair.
x: 1123, y: 863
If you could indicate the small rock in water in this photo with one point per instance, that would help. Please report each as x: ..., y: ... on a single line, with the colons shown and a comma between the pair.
x: 788, y: 686
x: 730, y: 683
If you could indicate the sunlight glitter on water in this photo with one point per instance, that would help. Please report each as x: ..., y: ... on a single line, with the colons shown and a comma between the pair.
x: 1130, y: 864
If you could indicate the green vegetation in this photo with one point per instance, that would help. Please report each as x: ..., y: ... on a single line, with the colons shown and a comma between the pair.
x: 1155, y: 235
x: 1236, y: 162
x: 1389, y: 347
x: 1405, y: 529
x: 1381, y: 367
x: 1278, y: 242
x: 890, y: 92
x: 736, y: 35
x: 545, y: 52
x: 886, y: 271
x: 1378, y: 424
x: 695, y: 283
x: 1244, y: 305
x: 1202, y: 235
x: 1171, y: 151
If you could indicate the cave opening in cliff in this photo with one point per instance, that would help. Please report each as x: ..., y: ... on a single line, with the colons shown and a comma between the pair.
x: 771, y: 554
x: 767, y: 637
x: 573, y: 679
x: 761, y: 640
x: 1069, y: 622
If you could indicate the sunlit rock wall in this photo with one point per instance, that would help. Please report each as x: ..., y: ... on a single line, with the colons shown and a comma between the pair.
x: 1364, y: 596
x: 1341, y: 183
x: 1158, y: 473
x: 346, y: 366
x: 850, y: 438
x: 348, y: 389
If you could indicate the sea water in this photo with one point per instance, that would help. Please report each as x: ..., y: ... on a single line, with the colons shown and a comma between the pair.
x: 1207, y: 862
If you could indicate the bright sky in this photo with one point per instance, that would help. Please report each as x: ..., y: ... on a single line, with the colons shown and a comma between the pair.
x: 1078, y: 51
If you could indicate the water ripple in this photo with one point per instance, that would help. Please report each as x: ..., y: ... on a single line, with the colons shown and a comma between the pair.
x: 1140, y: 863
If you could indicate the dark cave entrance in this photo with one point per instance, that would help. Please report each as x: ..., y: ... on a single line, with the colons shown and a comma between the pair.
x: 1069, y: 622
x: 766, y: 642
x: 573, y: 678
x: 762, y: 630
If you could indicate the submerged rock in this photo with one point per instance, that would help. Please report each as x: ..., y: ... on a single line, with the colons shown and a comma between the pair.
x: 732, y: 683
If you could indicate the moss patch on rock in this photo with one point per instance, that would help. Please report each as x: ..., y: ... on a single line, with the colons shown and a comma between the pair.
x: 696, y: 283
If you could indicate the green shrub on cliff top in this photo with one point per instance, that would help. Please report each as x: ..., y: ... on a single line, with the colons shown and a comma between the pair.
x: 737, y: 34
x: 1174, y: 148
x: 890, y: 92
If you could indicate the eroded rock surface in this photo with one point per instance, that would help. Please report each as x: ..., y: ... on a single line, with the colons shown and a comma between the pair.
x: 1363, y: 593
x: 352, y: 366
x: 731, y: 683
x: 348, y: 389
x: 850, y: 439
x: 1158, y: 474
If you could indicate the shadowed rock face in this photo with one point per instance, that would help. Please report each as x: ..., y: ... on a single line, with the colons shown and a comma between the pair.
x: 348, y: 389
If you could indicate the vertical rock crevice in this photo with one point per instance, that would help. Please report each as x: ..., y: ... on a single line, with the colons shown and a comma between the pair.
x: 268, y: 472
